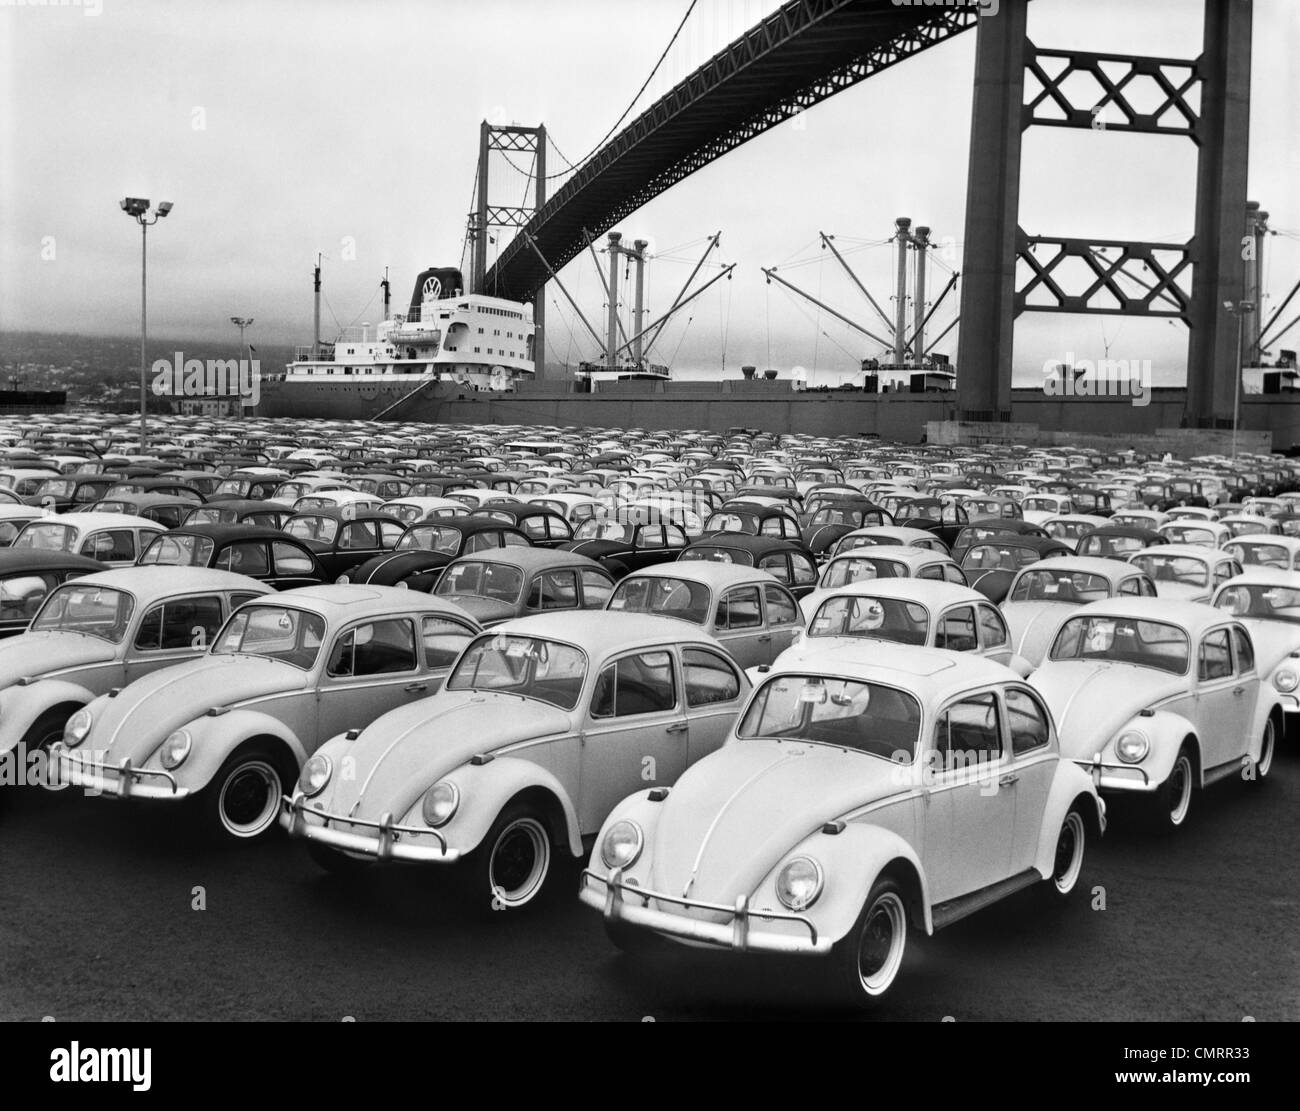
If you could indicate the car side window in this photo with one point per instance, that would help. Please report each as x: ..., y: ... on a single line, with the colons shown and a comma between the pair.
x: 640, y: 684
x: 1215, y: 660
x: 956, y: 630
x: 290, y: 560
x: 244, y: 558
x: 676, y: 536
x: 559, y: 528
x: 1245, y: 651
x: 954, y: 574
x: 773, y: 526
x: 775, y: 566
x: 651, y: 536
x: 1028, y: 721
x: 969, y: 733
x: 21, y: 596
x: 479, y: 541
x: 180, y: 623
x: 534, y: 527
x: 111, y: 546
x: 738, y: 609
x: 390, y: 532
x: 359, y: 535
x: 376, y: 648
x: 805, y: 572
x: 509, y: 540
x: 596, y: 589
x: 1131, y: 586
x: 781, y: 608
x: 708, y: 677
x: 238, y: 599
x: 553, y: 590
x: 993, y: 630
x: 443, y: 640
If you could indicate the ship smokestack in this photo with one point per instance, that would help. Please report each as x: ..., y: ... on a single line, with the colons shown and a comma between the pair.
x: 611, y: 347
x: 922, y: 242
x: 638, y: 311
x: 900, y: 309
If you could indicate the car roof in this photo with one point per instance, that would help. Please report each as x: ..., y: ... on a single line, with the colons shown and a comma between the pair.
x: 1197, y: 551
x: 903, y: 553
x: 1194, y: 616
x: 102, y: 520
x: 930, y: 593
x: 716, y: 575
x: 933, y: 674
x: 154, y: 580
x: 344, y: 601
x: 17, y: 560
x: 232, y: 531
x: 602, y: 632
x: 757, y: 545
x: 1092, y: 565
x: 530, y: 559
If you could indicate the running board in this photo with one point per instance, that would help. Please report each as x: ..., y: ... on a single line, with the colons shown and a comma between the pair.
x: 1221, y: 771
x: 954, y: 910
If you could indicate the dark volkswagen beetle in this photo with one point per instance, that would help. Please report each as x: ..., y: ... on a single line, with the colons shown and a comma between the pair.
x: 428, y: 546
x: 268, y: 555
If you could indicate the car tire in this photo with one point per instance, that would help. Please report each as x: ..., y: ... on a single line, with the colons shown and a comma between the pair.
x: 1067, y: 859
x: 334, y: 862
x: 866, y: 961
x: 1267, y: 749
x: 1174, y: 798
x: 44, y: 731
x: 242, y: 802
x: 511, y: 866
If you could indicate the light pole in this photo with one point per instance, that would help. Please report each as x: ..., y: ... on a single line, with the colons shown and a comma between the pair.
x: 1239, y: 309
x: 240, y: 322
x: 138, y: 209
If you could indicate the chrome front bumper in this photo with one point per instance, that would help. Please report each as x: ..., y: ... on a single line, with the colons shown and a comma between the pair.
x: 119, y: 780
x: 1117, y: 777
x: 618, y: 903
x: 382, y: 840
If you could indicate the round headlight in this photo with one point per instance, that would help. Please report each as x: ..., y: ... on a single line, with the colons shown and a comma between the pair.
x: 799, y: 883
x: 440, y: 802
x: 1132, y: 747
x: 1286, y: 680
x: 343, y: 580
x: 315, y: 774
x: 622, y: 845
x: 78, y: 728
x: 175, y: 748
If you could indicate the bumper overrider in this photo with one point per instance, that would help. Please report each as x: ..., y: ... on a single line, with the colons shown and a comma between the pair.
x: 1116, y: 777
x: 622, y: 901
x: 383, y: 840
x: 119, y: 780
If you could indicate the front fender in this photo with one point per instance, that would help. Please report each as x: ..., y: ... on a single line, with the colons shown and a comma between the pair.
x: 20, y: 706
x: 1166, y: 732
x: 215, y: 738
x: 484, y: 791
x: 1266, y: 704
x: 1069, y: 784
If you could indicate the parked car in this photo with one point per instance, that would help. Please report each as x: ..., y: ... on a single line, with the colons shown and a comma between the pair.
x: 987, y: 528
x: 990, y: 565
x: 1186, y: 572
x: 234, y: 727
x: 910, y: 611
x: 1184, y: 707
x: 504, y: 583
x: 544, y: 724
x: 115, y: 539
x: 102, y: 631
x: 621, y: 545
x: 1281, y: 552
x: 857, y: 798
x: 887, y: 535
x: 1267, y: 601
x: 426, y: 548
x: 1070, y: 528
x: 1116, y: 541
x: 239, y: 511
x: 749, y: 612
x: 265, y: 554
x: 1194, y: 533
x: 1043, y: 595
x: 342, y: 539
x: 13, y: 517
x: 27, y: 576
x: 902, y: 561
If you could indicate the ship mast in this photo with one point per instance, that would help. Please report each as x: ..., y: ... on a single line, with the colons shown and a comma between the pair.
x: 315, y: 334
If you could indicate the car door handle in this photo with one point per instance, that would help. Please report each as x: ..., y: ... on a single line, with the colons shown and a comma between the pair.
x: 1007, y: 780
x: 679, y: 727
x: 1238, y: 690
x: 765, y: 638
x: 411, y: 688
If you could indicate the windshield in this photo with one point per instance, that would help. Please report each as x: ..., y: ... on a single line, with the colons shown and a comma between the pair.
x: 98, y: 611
x: 322, y: 529
x: 991, y: 557
x: 1050, y: 505
x: 1261, y: 600
x: 1189, y: 534
x: 1121, y: 640
x: 668, y: 597
x: 1109, y: 545
x: 880, y: 618
x: 865, y: 717
x: 522, y: 665
x: 179, y: 551
x: 1049, y: 585
x: 57, y: 488
x: 431, y: 538
x: 841, y: 572
x: 717, y: 555
x: 1174, y: 569
x: 1068, y: 530
x: 1261, y: 555
x: 47, y: 537
x: 482, y: 580
x: 274, y: 633
x: 731, y: 522
x: 210, y: 515
x: 595, y: 529
x: 238, y: 486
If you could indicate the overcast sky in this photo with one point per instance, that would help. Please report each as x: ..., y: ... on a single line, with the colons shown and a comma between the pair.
x: 281, y: 129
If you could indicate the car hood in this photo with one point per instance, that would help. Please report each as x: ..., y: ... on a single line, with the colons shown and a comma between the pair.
x: 409, y: 749
x: 1033, y: 625
x: 1273, y: 641
x: 41, y: 653
x: 1091, y: 700
x: 139, y: 719
x: 733, y: 816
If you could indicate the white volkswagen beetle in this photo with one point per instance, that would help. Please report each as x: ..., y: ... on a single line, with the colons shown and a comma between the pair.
x: 858, y: 797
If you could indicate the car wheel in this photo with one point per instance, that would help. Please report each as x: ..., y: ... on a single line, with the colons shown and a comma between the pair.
x: 514, y: 859
x: 1067, y: 862
x: 335, y: 862
x: 243, y: 799
x: 866, y: 961
x: 44, y: 732
x: 1266, y: 746
x: 1174, y: 799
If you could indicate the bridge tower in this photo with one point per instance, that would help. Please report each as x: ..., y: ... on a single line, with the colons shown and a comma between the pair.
x: 996, y: 246
x: 512, y: 139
